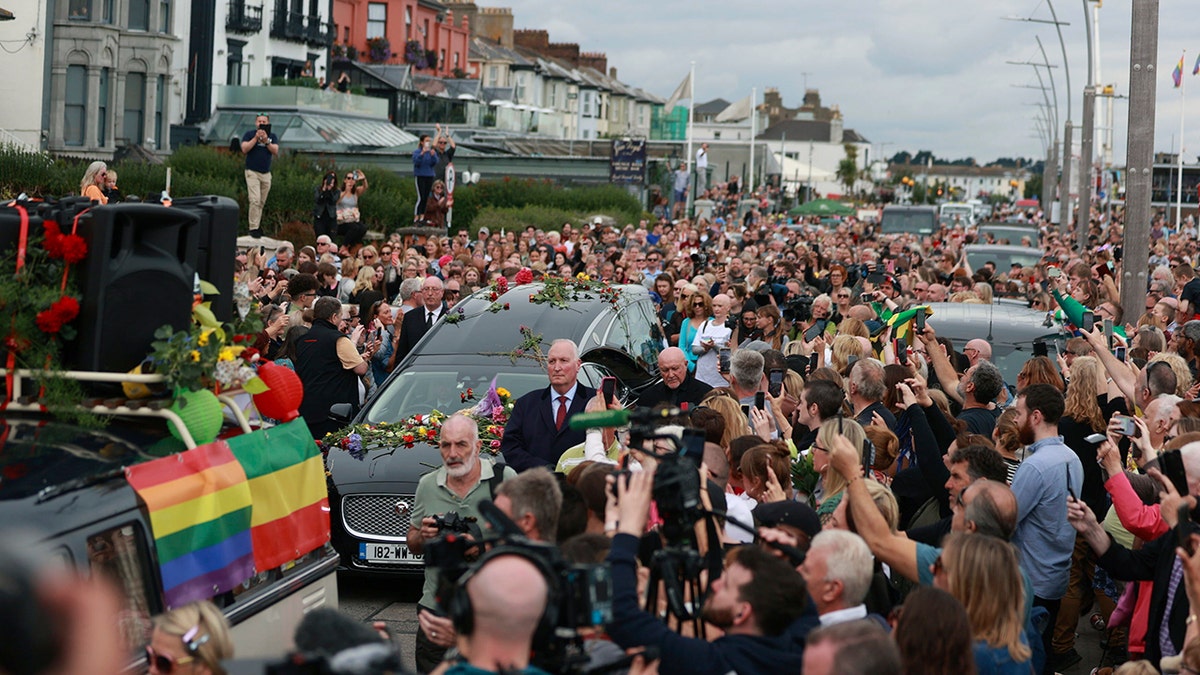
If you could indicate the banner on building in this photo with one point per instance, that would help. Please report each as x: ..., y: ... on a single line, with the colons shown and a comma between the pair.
x: 628, y: 162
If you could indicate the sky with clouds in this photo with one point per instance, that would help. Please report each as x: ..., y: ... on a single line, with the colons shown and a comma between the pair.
x: 907, y: 74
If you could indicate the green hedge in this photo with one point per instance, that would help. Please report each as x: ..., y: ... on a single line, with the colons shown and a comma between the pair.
x: 388, y: 204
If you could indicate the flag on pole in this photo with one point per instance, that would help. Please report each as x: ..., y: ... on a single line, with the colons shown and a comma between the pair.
x: 736, y: 111
x: 1177, y: 74
x: 683, y: 91
x: 1196, y: 69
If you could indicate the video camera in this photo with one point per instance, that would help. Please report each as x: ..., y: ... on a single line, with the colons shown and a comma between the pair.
x: 580, y: 596
x: 798, y: 309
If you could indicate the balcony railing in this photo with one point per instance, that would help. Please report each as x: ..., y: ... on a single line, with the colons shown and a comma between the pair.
x: 320, y: 33
x: 243, y: 18
x: 288, y: 26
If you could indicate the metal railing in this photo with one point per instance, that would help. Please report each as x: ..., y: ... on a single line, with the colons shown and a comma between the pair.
x: 288, y: 26
x: 320, y: 33
x: 243, y: 18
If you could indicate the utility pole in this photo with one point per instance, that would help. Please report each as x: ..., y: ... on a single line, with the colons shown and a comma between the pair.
x: 1064, y: 186
x: 1086, y: 180
x: 1139, y: 154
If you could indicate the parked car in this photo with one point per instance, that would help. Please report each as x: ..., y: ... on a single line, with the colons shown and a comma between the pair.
x: 1010, y: 329
x: 371, y: 498
x: 1003, y: 256
x: 921, y: 220
x: 1009, y: 233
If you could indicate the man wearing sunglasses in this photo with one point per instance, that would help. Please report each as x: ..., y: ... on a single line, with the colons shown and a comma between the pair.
x: 259, y: 146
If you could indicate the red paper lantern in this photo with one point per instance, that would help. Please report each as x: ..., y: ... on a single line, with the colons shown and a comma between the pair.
x: 282, y: 401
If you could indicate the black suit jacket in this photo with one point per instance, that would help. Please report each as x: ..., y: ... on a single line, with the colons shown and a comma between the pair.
x: 412, y: 329
x: 530, y: 438
x: 690, y: 391
x: 1153, y: 562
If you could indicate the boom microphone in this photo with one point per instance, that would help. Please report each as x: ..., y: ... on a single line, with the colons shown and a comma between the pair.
x: 619, y: 418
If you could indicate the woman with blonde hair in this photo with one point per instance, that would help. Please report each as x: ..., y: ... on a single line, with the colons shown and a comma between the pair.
x: 94, y: 181
x: 844, y: 346
x: 736, y: 423
x: 190, y: 640
x: 832, y: 485
x: 982, y: 573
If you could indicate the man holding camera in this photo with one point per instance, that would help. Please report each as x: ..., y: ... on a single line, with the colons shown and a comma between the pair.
x: 754, y: 602
x: 259, y: 146
x: 463, y: 481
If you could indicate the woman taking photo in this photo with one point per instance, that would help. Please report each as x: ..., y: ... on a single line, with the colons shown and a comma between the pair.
x: 350, y: 226
x: 710, y: 339
x: 94, y: 181
x: 437, y: 205
x: 325, y: 211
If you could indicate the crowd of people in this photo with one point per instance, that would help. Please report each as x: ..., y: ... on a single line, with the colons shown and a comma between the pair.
x: 950, y: 520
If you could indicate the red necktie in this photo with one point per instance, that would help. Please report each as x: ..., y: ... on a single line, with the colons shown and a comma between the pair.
x: 561, y: 417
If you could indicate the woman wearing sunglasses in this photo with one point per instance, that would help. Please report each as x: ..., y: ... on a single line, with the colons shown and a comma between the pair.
x: 190, y: 640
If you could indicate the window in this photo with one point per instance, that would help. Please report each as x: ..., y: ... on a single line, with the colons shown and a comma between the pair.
x: 107, y: 15
x: 135, y: 108
x: 139, y: 14
x: 120, y: 556
x: 408, y: 23
x: 521, y: 88
x: 346, y: 35
x: 441, y: 59
x: 80, y: 10
x: 456, y: 60
x: 425, y: 34
x: 164, y: 16
x: 160, y: 105
x: 493, y: 74
x: 102, y: 110
x: 75, y: 118
x: 233, y: 64
x: 376, y: 20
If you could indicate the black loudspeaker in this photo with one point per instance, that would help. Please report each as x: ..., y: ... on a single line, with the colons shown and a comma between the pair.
x: 217, y: 246
x: 139, y: 275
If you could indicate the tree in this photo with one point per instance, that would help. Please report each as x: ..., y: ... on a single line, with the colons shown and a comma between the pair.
x: 847, y: 171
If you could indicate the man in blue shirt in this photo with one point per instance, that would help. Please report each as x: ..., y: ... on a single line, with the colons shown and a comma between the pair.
x: 1050, y: 472
x: 259, y: 146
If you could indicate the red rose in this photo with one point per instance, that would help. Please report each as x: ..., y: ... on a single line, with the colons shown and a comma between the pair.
x: 73, y: 248
x: 525, y: 276
x: 493, y: 296
x: 431, y: 433
x: 502, y: 284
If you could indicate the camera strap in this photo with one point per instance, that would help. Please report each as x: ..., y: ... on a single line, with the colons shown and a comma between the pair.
x: 497, y: 478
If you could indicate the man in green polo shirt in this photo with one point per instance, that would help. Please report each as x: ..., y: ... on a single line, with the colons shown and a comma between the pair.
x: 464, y: 480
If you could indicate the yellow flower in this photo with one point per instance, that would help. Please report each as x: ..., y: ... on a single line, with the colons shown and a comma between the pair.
x: 227, y: 354
x: 583, y: 277
x: 502, y: 392
x: 203, y: 340
x: 195, y: 355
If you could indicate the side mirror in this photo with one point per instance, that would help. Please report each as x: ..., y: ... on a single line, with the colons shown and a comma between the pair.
x: 341, y: 412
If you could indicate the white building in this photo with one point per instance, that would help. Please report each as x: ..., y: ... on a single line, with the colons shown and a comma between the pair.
x: 22, y: 99
x: 804, y: 142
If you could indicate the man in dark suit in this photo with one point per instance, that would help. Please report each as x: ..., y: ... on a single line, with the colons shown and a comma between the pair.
x: 418, y: 321
x: 678, y: 384
x: 537, y: 432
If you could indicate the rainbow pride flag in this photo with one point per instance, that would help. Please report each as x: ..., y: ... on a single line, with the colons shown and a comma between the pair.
x: 287, y: 483
x: 199, y: 505
x: 1177, y: 74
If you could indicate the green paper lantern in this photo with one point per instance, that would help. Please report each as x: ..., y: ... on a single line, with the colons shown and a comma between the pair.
x: 201, y: 414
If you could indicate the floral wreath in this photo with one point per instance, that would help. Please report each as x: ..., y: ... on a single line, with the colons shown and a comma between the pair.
x: 490, y: 415
x: 556, y: 292
x: 38, y: 304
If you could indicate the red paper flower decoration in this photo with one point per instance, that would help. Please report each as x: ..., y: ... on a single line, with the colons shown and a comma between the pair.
x: 63, y: 311
x: 525, y: 276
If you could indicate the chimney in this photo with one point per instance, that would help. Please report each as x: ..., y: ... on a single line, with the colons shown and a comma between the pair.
x: 612, y: 72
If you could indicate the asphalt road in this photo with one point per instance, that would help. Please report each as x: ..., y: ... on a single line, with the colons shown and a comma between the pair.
x: 391, y: 601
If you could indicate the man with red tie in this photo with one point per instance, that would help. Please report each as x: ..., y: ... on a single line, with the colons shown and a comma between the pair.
x: 537, y: 433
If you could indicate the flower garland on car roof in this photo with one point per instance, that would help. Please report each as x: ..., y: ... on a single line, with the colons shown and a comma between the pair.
x: 556, y: 292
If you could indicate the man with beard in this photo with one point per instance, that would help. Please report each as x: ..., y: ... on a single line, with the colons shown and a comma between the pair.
x: 1049, y: 474
x: 755, y: 601
x: 463, y: 481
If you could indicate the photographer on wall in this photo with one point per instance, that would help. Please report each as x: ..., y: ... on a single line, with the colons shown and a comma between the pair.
x: 463, y: 481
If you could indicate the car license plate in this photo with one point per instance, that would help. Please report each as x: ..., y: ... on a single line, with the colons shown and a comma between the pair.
x: 386, y: 553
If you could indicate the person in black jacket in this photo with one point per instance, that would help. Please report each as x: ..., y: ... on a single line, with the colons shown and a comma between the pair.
x: 678, y: 385
x: 329, y: 366
x: 757, y: 602
x: 325, y: 211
